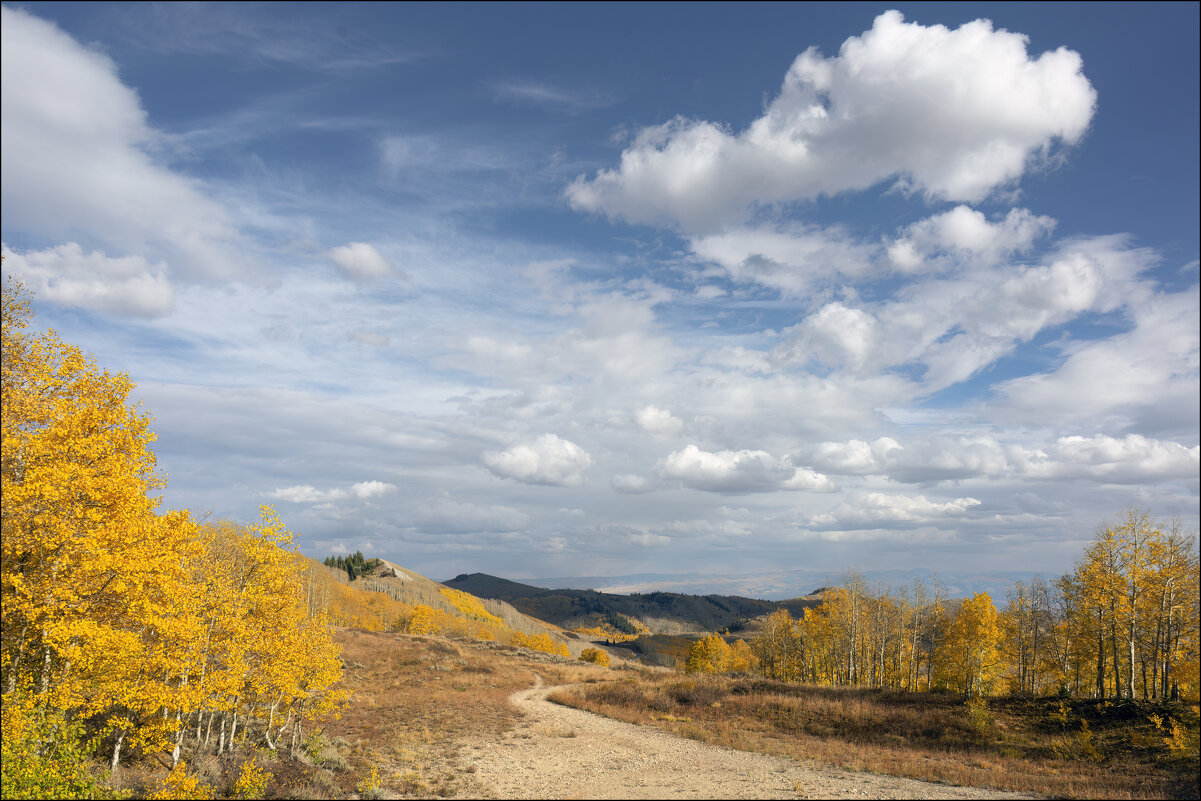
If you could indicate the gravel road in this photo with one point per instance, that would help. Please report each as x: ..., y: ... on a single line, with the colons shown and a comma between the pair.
x: 558, y: 752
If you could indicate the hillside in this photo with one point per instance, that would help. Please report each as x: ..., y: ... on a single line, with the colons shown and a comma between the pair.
x: 661, y: 612
x: 413, y: 590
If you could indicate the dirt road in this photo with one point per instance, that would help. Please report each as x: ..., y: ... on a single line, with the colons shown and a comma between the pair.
x: 557, y: 752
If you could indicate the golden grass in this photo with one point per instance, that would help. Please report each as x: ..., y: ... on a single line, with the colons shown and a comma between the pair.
x: 418, y: 702
x: 1023, y: 745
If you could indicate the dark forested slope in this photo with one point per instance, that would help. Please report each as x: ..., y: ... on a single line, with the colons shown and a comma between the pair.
x: 661, y: 612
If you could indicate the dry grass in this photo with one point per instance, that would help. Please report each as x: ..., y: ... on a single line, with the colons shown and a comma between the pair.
x: 1043, y: 746
x: 418, y: 702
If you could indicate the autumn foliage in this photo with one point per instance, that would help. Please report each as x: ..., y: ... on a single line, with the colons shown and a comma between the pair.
x: 596, y: 656
x: 139, y: 630
x: 1123, y: 624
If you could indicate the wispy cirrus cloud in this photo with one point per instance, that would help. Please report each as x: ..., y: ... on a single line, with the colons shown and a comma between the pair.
x: 539, y: 93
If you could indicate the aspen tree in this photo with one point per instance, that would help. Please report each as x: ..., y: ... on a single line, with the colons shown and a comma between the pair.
x: 709, y: 654
x: 969, y: 653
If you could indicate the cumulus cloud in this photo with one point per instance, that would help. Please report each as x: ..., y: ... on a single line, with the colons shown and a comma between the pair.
x: 954, y: 457
x: 360, y: 261
x: 965, y: 233
x: 372, y: 489
x: 855, y: 457
x: 738, y: 471
x: 835, y: 335
x: 79, y: 159
x: 953, y: 114
x: 869, y: 509
x: 124, y: 286
x: 658, y: 421
x: 941, y: 457
x: 547, y: 460
x: 1131, y: 459
x: 305, y: 493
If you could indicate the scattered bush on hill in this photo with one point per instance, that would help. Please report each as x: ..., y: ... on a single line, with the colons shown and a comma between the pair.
x: 596, y: 656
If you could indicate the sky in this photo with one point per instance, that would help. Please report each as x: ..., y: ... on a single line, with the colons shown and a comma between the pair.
x: 598, y: 289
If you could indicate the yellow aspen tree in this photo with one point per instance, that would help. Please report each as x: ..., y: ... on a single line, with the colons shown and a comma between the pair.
x: 742, y: 659
x: 819, y: 645
x: 774, y: 647
x: 422, y: 621
x: 1137, y: 533
x: 1017, y: 640
x: 88, y: 569
x: 970, y: 655
x: 709, y: 654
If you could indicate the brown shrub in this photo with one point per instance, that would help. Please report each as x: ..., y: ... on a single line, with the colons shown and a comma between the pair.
x: 696, y: 693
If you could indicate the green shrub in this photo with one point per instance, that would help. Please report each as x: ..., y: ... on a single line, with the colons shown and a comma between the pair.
x: 43, y: 754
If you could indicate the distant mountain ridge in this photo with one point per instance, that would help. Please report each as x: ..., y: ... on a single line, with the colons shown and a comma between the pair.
x: 785, y: 584
x: 660, y: 612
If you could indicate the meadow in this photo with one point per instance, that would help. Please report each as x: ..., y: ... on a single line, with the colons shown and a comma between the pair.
x: 1055, y: 747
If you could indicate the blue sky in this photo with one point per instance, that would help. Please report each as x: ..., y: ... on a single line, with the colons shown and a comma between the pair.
x: 603, y: 289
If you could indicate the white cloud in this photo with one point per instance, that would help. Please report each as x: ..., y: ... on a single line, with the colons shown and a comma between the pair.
x: 660, y: 422
x: 964, y: 232
x: 806, y: 479
x: 738, y: 471
x: 736, y: 357
x: 360, y: 261
x: 951, y: 113
x: 835, y: 335
x: 305, y: 493
x: 854, y: 457
x: 950, y: 457
x: 544, y: 94
x: 865, y: 510
x: 1131, y: 459
x: 79, y: 164
x: 940, y: 457
x: 547, y: 460
x: 954, y: 457
x: 790, y: 258
x: 372, y: 489
x: 1145, y: 377
x: 125, y: 286
x: 957, y: 326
